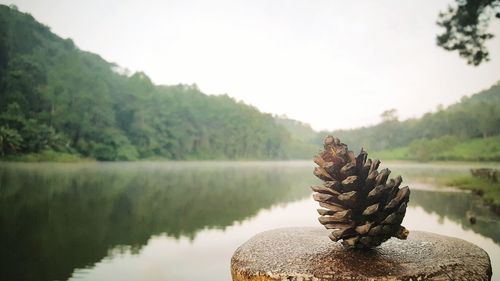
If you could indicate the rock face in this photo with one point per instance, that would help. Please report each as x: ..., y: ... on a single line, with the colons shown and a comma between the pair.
x: 307, y: 254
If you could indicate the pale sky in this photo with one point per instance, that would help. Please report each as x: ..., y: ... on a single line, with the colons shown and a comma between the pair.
x: 332, y: 64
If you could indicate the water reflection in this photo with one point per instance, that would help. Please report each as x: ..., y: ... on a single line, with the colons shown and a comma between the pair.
x: 454, y: 206
x: 448, y: 203
x: 153, y: 221
x: 56, y: 218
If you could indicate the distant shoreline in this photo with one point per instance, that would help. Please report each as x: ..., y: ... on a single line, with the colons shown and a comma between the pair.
x: 61, y: 157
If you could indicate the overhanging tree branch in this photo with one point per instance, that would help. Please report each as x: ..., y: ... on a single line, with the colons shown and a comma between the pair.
x: 466, y: 28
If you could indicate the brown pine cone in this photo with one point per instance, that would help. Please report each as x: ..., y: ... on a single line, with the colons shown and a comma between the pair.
x: 359, y: 203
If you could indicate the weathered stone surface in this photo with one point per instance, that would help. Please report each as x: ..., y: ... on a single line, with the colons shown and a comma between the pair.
x: 308, y: 254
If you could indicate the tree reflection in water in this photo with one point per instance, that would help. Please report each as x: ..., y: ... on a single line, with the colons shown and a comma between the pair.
x: 55, y: 218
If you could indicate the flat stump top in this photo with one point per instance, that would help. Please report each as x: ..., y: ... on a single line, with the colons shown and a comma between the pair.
x: 306, y: 253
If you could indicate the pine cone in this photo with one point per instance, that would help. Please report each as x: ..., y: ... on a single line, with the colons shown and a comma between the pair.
x: 362, y: 207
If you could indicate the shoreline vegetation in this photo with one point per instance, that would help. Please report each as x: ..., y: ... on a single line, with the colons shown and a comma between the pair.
x: 398, y: 154
x: 488, y: 190
x: 446, y: 148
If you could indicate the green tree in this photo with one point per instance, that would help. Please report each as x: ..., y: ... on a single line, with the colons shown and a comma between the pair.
x: 466, y: 27
x: 10, y: 141
x: 389, y: 115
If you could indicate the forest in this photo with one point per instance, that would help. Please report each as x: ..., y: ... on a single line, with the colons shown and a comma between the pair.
x: 467, y: 130
x: 60, y: 103
x: 56, y: 98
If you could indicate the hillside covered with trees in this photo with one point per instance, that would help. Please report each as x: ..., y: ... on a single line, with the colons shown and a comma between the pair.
x: 467, y: 130
x: 58, y: 102
x: 57, y: 99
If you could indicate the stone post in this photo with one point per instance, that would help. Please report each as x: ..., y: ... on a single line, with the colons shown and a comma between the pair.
x: 308, y: 254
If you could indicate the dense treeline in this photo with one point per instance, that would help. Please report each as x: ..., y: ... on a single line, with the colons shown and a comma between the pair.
x: 55, y: 97
x: 439, y: 135
x: 58, y: 101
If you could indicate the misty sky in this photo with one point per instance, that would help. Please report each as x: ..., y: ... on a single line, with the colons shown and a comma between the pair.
x: 332, y: 64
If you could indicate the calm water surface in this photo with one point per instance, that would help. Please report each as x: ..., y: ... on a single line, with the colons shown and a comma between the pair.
x: 182, y: 221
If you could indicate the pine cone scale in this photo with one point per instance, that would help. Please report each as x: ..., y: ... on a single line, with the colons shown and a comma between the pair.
x: 332, y: 207
x: 325, y: 189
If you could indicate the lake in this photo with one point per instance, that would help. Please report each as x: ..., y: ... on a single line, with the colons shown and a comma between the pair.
x: 183, y: 220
